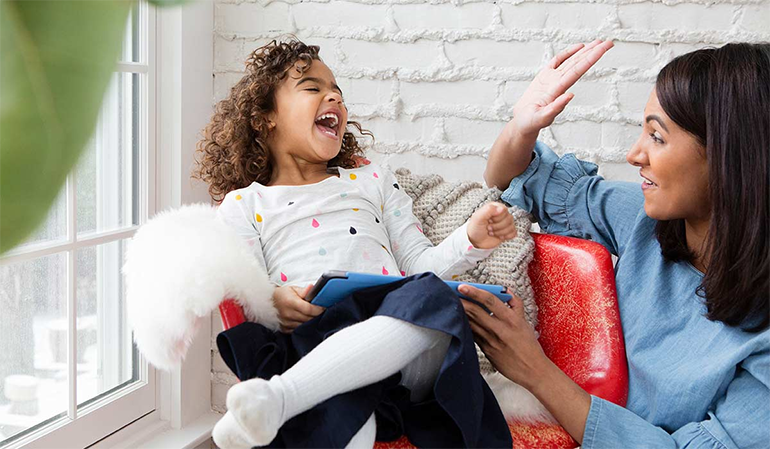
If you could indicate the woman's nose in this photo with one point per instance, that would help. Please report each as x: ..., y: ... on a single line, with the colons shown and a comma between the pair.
x: 635, y: 155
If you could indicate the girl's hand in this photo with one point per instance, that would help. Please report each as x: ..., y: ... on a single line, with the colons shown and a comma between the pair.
x: 293, y: 309
x: 490, y: 226
x: 505, y: 336
x: 547, y: 95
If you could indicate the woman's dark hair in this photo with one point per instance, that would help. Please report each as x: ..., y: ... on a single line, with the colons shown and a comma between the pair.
x: 722, y: 97
x: 233, y: 152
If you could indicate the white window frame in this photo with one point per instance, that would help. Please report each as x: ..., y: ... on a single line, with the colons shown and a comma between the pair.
x: 163, y: 409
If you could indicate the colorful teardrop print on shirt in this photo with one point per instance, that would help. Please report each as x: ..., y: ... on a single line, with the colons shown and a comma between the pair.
x: 395, y: 184
x: 315, y: 223
x: 283, y: 277
x: 322, y: 251
x: 403, y: 273
x: 375, y: 175
x: 419, y: 228
x: 353, y: 230
x: 343, y: 194
x: 376, y: 220
x: 258, y: 218
x: 238, y: 197
x: 397, y: 213
x: 384, y: 271
x: 353, y: 176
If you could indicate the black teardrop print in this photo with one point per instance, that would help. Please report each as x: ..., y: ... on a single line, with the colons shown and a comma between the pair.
x: 376, y: 219
x: 396, y: 186
x: 353, y: 230
x: 291, y: 202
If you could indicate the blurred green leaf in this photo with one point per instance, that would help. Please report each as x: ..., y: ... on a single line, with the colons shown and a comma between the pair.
x: 57, y: 59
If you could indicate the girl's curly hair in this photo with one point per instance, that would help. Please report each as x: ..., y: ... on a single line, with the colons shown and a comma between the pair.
x: 233, y: 152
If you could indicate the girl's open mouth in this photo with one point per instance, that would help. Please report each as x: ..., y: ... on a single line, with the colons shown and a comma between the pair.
x: 328, y: 124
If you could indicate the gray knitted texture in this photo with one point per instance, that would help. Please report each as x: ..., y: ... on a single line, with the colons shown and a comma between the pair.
x: 443, y: 207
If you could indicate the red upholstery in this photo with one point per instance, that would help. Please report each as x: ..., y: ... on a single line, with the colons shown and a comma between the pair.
x: 579, y: 328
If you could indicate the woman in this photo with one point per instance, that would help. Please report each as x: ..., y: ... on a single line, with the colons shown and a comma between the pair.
x: 692, y: 274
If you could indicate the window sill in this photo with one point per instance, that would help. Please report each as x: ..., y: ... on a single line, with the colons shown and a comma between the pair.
x: 150, y: 432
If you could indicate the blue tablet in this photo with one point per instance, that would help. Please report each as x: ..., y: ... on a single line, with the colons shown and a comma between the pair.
x: 333, y: 286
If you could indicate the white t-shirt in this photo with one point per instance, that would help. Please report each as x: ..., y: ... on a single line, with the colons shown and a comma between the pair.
x: 360, y: 221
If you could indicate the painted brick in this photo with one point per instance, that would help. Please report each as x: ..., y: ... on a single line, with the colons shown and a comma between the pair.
x: 633, y: 97
x: 230, y: 55
x: 223, y: 82
x: 555, y: 15
x: 496, y: 54
x: 459, y: 92
x: 389, y: 54
x: 446, y: 15
x: 579, y: 134
x: 403, y: 129
x: 683, y: 16
x: 628, y: 55
x: 247, y: 18
x: 755, y: 18
x: 337, y: 13
x: 618, y: 135
x: 472, y: 132
x: 365, y: 91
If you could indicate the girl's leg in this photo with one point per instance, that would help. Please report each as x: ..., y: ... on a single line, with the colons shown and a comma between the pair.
x: 356, y: 356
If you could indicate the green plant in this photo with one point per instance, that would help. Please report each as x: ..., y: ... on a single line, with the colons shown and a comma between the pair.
x: 57, y: 59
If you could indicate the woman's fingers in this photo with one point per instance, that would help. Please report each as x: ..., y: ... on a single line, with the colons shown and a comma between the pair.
x: 574, y: 68
x: 561, y: 57
x: 568, y: 63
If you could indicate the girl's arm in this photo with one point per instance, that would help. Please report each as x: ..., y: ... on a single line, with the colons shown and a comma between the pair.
x: 543, y: 100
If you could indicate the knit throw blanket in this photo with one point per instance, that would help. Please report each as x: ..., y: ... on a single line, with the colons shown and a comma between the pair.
x: 443, y: 207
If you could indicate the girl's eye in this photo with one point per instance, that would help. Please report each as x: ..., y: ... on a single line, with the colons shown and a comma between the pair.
x: 655, y: 138
x: 313, y: 89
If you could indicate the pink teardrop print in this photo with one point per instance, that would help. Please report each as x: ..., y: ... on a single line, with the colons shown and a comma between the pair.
x: 315, y: 223
x: 403, y: 273
x: 283, y: 277
x: 419, y: 228
x: 470, y: 247
x: 384, y: 271
x: 375, y: 175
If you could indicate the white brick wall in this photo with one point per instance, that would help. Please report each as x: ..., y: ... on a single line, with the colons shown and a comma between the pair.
x: 435, y: 80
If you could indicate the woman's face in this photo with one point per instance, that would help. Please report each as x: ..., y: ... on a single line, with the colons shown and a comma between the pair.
x: 673, y: 166
x: 310, y: 116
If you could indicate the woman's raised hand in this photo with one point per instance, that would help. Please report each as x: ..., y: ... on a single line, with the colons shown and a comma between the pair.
x: 547, y: 95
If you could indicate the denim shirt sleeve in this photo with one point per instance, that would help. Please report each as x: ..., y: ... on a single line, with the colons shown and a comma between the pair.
x: 567, y: 197
x: 739, y: 419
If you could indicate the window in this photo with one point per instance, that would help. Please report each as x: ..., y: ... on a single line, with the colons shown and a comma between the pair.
x: 68, y: 366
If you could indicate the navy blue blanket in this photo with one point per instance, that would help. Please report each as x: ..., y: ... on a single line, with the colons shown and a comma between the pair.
x: 461, y: 412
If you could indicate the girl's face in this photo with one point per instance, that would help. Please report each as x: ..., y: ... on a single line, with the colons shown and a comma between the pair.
x: 310, y: 117
x: 674, y: 167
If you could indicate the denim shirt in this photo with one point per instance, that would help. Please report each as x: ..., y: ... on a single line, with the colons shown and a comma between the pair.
x: 692, y: 382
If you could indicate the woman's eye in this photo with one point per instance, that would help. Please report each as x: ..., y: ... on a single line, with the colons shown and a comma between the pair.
x: 656, y: 138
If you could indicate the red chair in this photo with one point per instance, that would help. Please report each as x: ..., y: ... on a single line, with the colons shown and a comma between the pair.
x: 579, y: 326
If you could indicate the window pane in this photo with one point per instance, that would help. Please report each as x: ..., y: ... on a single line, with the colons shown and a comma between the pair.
x: 106, y: 356
x: 107, y: 175
x: 131, y: 43
x: 54, y: 228
x: 33, y: 343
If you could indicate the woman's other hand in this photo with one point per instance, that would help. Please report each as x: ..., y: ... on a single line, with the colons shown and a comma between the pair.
x: 293, y: 309
x: 511, y: 346
x: 547, y: 94
x: 490, y: 226
x: 505, y: 336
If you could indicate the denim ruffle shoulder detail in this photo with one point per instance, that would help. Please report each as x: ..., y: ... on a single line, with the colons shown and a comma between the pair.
x: 543, y: 188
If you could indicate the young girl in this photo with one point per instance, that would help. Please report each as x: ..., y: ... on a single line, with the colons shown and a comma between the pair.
x: 279, y: 151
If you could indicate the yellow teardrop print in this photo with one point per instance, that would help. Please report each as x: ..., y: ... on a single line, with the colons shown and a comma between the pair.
x: 353, y: 176
x: 259, y: 218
